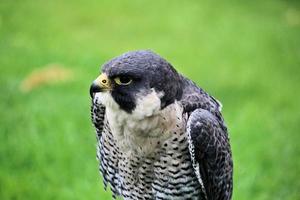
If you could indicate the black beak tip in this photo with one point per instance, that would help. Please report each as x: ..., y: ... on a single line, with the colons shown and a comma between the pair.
x: 94, y: 89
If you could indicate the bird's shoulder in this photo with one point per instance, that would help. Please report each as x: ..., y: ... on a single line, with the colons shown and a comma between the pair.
x: 194, y: 97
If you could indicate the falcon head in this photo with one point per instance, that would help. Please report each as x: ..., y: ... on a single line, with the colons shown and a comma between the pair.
x: 133, y: 76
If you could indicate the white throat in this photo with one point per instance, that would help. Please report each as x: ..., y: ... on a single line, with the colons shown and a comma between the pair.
x: 146, y: 127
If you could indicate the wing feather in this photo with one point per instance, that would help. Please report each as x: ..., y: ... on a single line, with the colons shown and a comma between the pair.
x: 211, y: 154
x: 97, y: 115
x: 107, y: 152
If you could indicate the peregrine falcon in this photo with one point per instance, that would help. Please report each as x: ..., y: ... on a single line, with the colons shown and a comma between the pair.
x: 159, y: 136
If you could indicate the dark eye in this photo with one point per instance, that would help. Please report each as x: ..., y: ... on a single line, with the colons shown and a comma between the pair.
x: 123, y: 80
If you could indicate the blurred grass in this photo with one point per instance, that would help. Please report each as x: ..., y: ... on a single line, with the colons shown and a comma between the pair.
x: 245, y: 53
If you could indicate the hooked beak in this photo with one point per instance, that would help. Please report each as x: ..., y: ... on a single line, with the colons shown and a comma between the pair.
x: 101, y: 84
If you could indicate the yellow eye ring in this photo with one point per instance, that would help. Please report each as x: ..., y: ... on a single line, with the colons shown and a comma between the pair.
x: 123, y: 80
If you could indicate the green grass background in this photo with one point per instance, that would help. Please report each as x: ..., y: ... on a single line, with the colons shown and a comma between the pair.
x: 245, y: 53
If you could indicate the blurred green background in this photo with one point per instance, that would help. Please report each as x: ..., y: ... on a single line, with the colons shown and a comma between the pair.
x: 245, y: 53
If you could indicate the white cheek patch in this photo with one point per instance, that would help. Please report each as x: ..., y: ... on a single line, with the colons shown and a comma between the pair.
x: 147, y: 105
